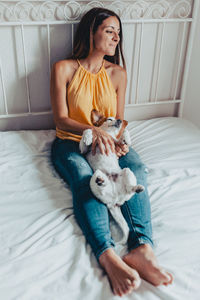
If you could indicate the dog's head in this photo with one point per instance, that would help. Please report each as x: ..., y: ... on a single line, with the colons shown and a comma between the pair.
x: 114, y: 127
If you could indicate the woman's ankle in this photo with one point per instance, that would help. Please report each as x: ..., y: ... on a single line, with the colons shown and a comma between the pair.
x: 142, y: 248
x: 106, y: 256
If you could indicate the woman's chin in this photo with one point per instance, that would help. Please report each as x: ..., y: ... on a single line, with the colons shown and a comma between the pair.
x: 110, y: 53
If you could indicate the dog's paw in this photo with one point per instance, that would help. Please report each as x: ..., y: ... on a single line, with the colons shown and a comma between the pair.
x: 83, y: 148
x: 138, y: 188
x: 100, y: 181
x: 99, y: 185
x: 126, y: 137
x: 130, y: 182
x: 99, y: 178
x: 87, y: 137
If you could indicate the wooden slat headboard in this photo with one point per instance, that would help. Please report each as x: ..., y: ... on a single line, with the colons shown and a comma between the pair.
x: 158, y: 38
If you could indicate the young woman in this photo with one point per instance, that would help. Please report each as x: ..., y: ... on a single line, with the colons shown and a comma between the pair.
x: 93, y: 79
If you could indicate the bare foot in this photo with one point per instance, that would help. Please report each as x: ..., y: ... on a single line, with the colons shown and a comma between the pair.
x: 144, y: 261
x: 123, y: 279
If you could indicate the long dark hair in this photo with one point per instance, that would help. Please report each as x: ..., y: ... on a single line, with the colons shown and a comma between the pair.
x: 83, y: 41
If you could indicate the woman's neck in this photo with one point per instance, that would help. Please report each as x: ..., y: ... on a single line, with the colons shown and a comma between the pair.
x: 93, y: 62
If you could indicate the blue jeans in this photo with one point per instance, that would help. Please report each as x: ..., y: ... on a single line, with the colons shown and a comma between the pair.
x: 91, y: 214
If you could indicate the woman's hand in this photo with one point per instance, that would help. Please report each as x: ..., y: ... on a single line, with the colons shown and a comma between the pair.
x: 103, y: 140
x: 121, y: 149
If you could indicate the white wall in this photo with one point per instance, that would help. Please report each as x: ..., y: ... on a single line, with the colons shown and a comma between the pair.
x: 192, y: 103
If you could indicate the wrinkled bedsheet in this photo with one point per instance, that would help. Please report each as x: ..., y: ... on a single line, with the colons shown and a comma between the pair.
x: 43, y: 253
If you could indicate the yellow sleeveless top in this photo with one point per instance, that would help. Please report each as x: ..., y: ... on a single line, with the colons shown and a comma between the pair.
x: 88, y: 91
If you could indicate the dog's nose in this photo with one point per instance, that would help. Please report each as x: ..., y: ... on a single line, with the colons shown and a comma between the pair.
x: 118, y: 122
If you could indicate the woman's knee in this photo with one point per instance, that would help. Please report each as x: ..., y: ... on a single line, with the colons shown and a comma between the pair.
x: 71, y: 165
x: 138, y: 167
x: 77, y: 167
x: 132, y: 161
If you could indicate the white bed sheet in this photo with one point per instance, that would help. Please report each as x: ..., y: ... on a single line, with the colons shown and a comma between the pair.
x: 43, y: 253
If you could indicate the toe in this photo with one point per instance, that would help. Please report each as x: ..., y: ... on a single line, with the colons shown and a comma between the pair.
x: 125, y: 289
x: 136, y: 284
x: 136, y: 281
x: 129, y: 282
x: 129, y: 286
x: 171, y: 278
x: 119, y: 291
x: 166, y: 276
x: 116, y: 292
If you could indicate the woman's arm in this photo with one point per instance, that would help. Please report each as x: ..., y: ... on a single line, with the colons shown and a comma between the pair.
x: 60, y: 77
x: 60, y: 74
x: 121, y: 92
x: 121, y: 77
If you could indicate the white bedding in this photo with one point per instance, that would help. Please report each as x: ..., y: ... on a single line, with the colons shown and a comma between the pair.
x: 43, y: 254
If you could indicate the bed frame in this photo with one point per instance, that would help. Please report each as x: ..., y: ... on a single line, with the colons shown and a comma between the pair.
x: 158, y: 39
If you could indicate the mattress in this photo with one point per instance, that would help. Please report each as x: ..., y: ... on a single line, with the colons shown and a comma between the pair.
x: 43, y: 253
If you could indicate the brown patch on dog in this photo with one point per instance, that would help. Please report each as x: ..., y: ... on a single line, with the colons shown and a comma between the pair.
x: 124, y: 124
x: 97, y: 118
x: 112, y: 176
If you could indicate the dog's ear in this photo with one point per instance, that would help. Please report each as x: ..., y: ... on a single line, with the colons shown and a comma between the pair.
x: 124, y: 124
x: 97, y: 118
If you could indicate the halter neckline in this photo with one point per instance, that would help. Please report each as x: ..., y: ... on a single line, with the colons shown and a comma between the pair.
x: 93, y: 74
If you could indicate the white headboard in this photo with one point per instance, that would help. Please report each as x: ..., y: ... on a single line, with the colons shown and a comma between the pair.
x: 158, y: 38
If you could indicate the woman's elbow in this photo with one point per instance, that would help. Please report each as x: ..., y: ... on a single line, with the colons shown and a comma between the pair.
x: 61, y: 122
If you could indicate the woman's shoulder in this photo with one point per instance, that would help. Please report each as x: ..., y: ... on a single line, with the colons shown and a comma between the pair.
x: 65, y: 67
x: 66, y: 64
x: 114, y: 70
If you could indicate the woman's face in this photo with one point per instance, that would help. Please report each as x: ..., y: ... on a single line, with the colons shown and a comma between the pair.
x: 106, y: 37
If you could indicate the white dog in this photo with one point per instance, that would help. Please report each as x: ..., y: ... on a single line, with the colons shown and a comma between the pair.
x: 109, y: 183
